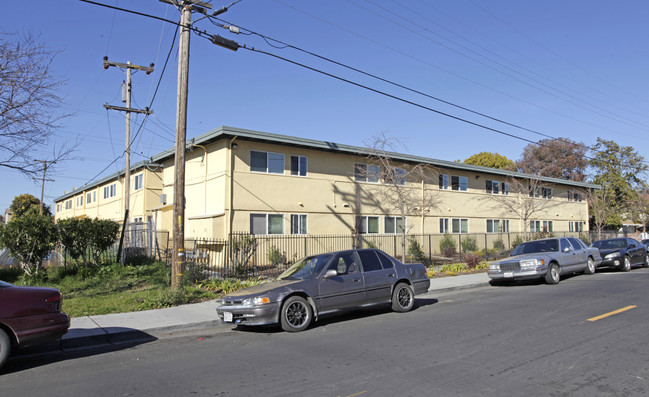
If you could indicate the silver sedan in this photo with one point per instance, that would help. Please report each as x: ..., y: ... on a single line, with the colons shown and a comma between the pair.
x: 326, y: 283
x: 547, y: 259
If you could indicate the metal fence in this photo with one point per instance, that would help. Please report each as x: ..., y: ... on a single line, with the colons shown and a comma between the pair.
x: 244, y: 255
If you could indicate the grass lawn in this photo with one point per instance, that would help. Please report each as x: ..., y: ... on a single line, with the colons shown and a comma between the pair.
x: 114, y: 288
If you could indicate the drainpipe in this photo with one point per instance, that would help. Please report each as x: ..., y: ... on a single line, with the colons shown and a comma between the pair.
x: 231, y: 198
x: 204, y: 178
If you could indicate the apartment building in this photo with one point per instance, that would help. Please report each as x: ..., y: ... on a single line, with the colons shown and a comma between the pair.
x: 249, y: 181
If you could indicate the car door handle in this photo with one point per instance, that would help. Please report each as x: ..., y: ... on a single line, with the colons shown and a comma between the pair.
x: 357, y: 280
x: 391, y: 275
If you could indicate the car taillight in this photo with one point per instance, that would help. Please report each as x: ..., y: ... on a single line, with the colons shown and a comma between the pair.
x: 55, y: 301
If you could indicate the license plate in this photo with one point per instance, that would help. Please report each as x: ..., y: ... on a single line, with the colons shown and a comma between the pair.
x: 227, y: 317
x: 509, y: 274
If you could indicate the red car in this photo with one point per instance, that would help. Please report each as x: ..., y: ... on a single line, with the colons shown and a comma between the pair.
x: 29, y: 316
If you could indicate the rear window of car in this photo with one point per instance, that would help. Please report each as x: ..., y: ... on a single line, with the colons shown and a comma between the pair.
x: 370, y: 261
x: 385, y: 260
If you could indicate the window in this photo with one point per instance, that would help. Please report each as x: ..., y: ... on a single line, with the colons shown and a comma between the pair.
x: 110, y: 191
x: 58, y: 207
x: 541, y: 226
x: 266, y: 224
x: 366, y: 173
x: 80, y: 201
x: 91, y: 197
x: 370, y: 261
x: 497, y: 225
x: 394, y: 224
x: 397, y: 176
x: 298, y: 224
x: 386, y: 262
x: 138, y: 182
x: 443, y: 225
x: 575, y: 196
x: 578, y: 244
x: 299, y: 165
x: 575, y: 226
x: 496, y: 187
x: 459, y: 183
x: 137, y: 220
x: 68, y: 204
x: 443, y: 181
x: 271, y: 163
x: 367, y: 224
x: 539, y: 191
x: 460, y: 225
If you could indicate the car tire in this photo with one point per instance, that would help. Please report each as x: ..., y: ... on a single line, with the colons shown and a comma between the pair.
x: 403, y: 298
x: 553, y: 274
x: 590, y: 266
x: 296, y: 314
x: 5, y: 347
x: 646, y: 261
x: 626, y: 264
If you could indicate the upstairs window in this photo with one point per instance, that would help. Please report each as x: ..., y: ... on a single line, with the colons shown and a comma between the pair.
x: 443, y: 181
x: 395, y: 176
x: 366, y: 172
x: 110, y: 190
x: 459, y: 183
x: 299, y: 165
x: 138, y: 182
x: 270, y: 163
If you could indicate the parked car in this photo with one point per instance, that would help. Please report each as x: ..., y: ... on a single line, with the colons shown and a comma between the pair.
x: 622, y: 253
x: 646, y: 244
x: 326, y: 283
x: 546, y: 258
x: 29, y: 316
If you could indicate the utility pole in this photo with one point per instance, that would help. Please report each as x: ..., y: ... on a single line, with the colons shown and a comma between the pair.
x: 40, y: 211
x: 126, y: 97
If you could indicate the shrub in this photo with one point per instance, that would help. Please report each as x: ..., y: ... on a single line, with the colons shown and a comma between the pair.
x: 469, y: 244
x: 454, y: 268
x: 415, y: 251
x: 517, y: 241
x: 472, y: 260
x: 243, y: 248
x: 275, y: 257
x: 430, y: 272
x: 447, y: 245
x: 10, y: 274
x: 499, y: 245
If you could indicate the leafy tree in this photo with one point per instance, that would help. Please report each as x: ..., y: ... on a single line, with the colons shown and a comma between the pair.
x: 492, y: 160
x: 29, y: 104
x: 619, y: 170
x: 560, y: 158
x: 29, y: 238
x: 75, y: 236
x: 27, y: 204
x: 102, y: 235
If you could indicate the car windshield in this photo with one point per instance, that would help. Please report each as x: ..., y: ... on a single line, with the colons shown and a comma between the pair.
x: 306, y: 268
x: 537, y: 246
x: 610, y: 244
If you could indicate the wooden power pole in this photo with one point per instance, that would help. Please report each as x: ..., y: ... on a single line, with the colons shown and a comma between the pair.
x: 126, y: 97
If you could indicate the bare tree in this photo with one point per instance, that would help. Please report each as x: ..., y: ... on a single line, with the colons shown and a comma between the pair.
x: 29, y: 103
x: 404, y: 189
x: 525, y: 198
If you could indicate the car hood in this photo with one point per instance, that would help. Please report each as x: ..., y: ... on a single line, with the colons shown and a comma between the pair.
x: 261, y: 288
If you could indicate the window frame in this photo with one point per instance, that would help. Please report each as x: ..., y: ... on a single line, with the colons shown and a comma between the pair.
x: 443, y: 181
x: 395, y: 220
x: 138, y: 185
x: 299, y: 171
x: 267, y: 223
x: 368, y: 170
x: 460, y: 222
x: 299, y: 224
x: 363, y: 224
x: 267, y: 169
x: 461, y: 187
x: 444, y: 225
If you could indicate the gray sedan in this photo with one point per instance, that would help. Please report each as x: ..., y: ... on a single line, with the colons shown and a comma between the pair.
x: 546, y: 258
x: 326, y: 283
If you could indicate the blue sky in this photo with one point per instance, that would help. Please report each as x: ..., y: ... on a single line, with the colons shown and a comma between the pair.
x: 576, y: 69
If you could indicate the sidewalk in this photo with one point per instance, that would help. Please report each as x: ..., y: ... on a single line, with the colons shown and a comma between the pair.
x: 152, y: 324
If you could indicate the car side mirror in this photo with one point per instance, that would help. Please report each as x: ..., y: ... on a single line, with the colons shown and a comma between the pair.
x: 567, y: 249
x: 331, y: 273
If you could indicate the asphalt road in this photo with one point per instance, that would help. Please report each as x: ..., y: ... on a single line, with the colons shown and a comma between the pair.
x: 524, y: 340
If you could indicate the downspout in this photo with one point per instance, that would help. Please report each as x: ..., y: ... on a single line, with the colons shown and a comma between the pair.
x: 204, y: 178
x: 231, y: 198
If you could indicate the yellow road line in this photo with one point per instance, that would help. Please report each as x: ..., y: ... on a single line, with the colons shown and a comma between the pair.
x: 612, y: 313
x: 357, y: 394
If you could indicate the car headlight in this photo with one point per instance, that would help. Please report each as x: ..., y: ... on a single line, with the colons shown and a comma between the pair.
x: 612, y: 255
x: 256, y: 301
x: 494, y: 266
x: 532, y: 262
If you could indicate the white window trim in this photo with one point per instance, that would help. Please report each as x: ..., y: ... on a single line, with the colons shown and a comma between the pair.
x: 447, y: 225
x: 291, y: 224
x: 460, y: 232
x: 268, y: 161
x: 267, y: 215
x: 367, y: 224
x: 405, y: 224
x: 367, y: 173
x: 445, y: 182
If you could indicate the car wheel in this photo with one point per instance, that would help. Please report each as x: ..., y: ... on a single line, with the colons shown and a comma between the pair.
x: 626, y: 264
x: 403, y: 298
x: 296, y: 314
x: 646, y: 261
x: 552, y: 276
x: 5, y: 347
x: 590, y: 266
